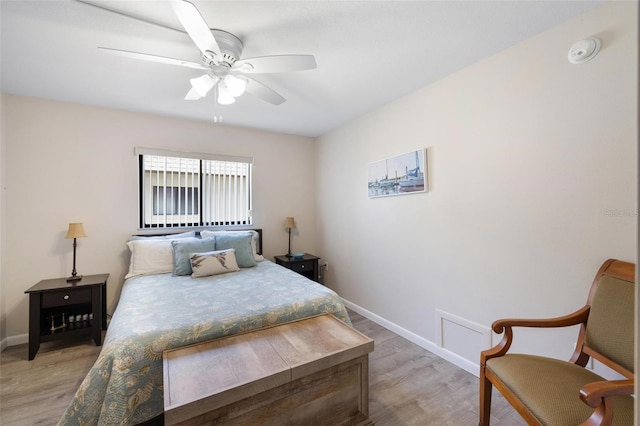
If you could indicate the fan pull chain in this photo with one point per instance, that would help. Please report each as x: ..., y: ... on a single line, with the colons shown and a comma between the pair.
x: 216, y: 118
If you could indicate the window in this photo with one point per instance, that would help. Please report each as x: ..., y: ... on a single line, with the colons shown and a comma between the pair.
x: 174, y: 200
x: 188, y: 190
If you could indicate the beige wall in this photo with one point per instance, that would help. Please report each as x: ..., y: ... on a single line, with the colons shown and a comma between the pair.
x: 87, y: 156
x: 532, y: 167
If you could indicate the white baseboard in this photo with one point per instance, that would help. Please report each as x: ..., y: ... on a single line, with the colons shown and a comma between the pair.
x: 13, y: 341
x: 453, y: 358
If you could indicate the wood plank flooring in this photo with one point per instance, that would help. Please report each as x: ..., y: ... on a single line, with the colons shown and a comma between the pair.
x: 408, y: 385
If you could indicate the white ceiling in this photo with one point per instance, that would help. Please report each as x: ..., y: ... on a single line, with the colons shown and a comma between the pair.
x: 368, y: 52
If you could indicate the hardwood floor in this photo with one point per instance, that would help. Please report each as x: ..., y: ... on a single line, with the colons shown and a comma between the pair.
x: 408, y: 385
x: 38, y: 392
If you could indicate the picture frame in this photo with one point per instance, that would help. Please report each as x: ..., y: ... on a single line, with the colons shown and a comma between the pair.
x: 400, y: 175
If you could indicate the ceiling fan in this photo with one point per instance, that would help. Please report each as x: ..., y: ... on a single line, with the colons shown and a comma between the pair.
x: 220, y: 58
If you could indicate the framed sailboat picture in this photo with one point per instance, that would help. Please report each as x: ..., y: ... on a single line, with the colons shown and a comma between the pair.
x: 400, y: 175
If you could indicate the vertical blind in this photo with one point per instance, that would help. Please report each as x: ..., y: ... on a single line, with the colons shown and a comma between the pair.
x: 187, y: 190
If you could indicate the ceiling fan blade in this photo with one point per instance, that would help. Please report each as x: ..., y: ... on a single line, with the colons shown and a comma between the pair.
x: 277, y: 63
x: 263, y: 92
x: 196, y: 27
x: 153, y: 58
x: 144, y: 19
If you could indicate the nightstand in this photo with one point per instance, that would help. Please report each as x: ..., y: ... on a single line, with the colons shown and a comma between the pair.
x: 307, y: 265
x: 53, y: 302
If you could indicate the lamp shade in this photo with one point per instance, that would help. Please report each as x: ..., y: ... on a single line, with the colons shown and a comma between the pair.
x: 224, y: 96
x: 75, y: 231
x: 236, y: 85
x: 203, y: 84
x: 289, y: 223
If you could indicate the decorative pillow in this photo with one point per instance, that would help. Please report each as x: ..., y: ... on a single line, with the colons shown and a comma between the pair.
x: 150, y: 256
x: 182, y: 249
x: 189, y: 234
x: 213, y: 263
x: 241, y: 242
x: 254, y: 240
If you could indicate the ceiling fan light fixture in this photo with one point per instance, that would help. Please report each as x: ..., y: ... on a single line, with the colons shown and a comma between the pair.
x: 235, y: 85
x: 203, y: 84
x: 193, y: 95
x: 224, y: 96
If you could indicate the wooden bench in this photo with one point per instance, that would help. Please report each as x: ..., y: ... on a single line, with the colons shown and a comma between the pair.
x: 310, y: 371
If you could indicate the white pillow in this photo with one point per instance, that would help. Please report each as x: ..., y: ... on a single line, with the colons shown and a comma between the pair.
x: 213, y: 263
x: 150, y: 256
x: 254, y: 240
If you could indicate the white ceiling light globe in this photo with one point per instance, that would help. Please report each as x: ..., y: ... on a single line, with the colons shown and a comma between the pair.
x: 224, y: 96
x: 236, y: 85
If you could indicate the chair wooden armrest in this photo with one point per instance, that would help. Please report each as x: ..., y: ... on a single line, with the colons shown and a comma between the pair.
x: 505, y: 326
x: 593, y: 393
x: 598, y: 395
x: 578, y: 317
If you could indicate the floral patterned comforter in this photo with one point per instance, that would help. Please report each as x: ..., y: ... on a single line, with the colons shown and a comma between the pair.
x: 158, y: 312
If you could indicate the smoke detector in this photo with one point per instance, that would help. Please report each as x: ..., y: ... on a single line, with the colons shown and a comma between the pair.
x: 584, y: 50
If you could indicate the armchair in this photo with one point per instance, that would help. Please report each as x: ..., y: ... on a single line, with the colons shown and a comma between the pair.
x: 553, y: 392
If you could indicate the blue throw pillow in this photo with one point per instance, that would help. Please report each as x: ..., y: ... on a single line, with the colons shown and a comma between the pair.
x: 183, y: 248
x: 241, y: 243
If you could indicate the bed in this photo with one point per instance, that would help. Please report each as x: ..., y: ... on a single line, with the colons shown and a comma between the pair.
x: 159, y: 311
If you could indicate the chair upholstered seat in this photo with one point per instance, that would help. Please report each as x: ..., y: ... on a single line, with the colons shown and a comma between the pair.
x: 550, y: 389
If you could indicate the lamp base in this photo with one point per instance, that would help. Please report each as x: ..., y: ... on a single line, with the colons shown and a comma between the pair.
x: 74, y: 278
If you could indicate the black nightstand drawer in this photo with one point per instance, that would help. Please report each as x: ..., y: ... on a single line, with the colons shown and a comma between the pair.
x: 307, y: 265
x: 66, y: 297
x: 303, y: 266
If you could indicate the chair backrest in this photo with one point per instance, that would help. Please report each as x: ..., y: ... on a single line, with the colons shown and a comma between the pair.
x: 609, y: 332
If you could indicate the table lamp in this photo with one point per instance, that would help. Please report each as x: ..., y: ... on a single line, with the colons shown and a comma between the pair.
x: 75, y: 231
x: 289, y: 224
